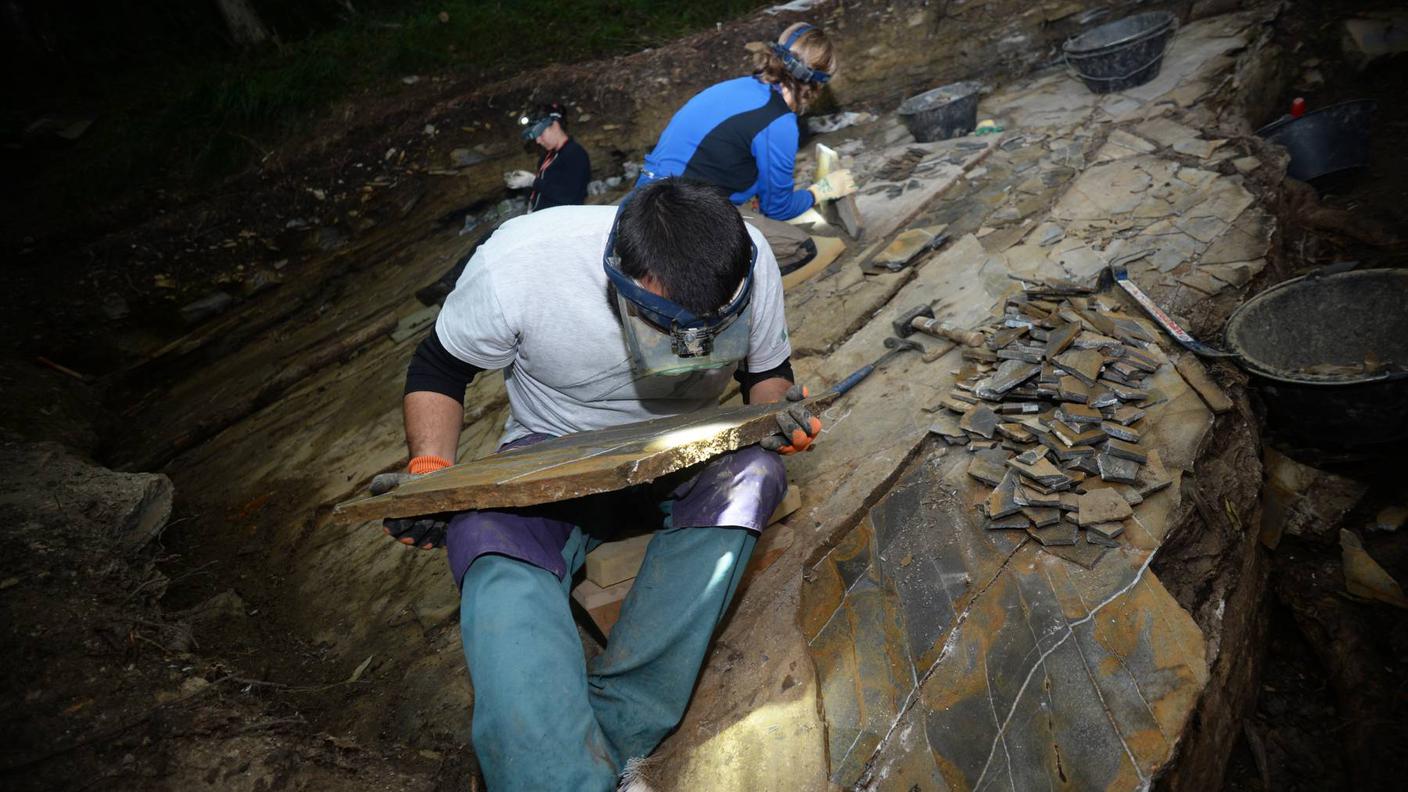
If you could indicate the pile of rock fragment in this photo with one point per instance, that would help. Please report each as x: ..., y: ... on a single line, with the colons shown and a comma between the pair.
x: 1052, y: 408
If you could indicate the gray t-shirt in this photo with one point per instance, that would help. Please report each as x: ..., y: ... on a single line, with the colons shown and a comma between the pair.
x: 533, y: 301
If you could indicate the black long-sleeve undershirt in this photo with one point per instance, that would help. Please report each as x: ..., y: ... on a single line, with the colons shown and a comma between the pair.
x: 747, y: 379
x: 434, y: 369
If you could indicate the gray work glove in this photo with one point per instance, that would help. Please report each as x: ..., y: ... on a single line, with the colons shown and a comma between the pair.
x: 797, y: 427
x: 519, y: 179
x: 426, y: 532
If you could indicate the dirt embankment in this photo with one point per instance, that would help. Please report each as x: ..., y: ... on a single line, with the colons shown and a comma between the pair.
x: 102, y: 288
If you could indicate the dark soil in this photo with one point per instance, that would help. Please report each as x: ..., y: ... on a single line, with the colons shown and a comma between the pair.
x: 1372, y: 203
x: 1331, y: 713
x: 1335, y: 682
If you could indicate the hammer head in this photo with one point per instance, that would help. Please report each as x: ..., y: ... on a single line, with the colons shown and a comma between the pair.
x: 903, y: 327
x: 900, y: 344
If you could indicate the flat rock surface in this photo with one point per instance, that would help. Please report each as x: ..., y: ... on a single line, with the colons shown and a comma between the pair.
x: 952, y: 657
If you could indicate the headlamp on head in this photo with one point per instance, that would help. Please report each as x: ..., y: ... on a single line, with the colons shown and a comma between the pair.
x: 795, y: 66
x: 533, y: 127
x: 664, y: 337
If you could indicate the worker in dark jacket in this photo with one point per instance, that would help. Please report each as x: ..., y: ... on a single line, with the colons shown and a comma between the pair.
x: 742, y: 135
x: 564, y: 168
x: 561, y: 180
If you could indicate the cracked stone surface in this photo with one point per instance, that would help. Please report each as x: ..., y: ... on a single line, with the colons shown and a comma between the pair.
x: 952, y: 657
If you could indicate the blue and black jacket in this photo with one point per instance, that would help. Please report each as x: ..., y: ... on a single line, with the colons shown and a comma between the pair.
x: 739, y: 135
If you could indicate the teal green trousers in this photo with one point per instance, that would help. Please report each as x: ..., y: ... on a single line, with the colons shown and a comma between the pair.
x: 542, y: 719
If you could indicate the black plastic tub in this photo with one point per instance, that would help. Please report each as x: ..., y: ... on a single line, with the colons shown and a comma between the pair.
x: 1122, y: 54
x: 1328, y: 140
x: 1330, y: 356
x: 945, y: 112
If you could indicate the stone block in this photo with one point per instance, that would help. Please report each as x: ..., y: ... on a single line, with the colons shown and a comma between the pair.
x: 1201, y: 381
x: 1002, y: 502
x: 1061, y: 533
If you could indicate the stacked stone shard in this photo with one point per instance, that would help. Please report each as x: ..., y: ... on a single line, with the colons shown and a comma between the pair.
x: 1051, y: 408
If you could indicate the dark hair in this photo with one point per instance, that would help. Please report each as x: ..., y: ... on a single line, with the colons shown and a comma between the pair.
x: 689, y: 238
x: 555, y: 107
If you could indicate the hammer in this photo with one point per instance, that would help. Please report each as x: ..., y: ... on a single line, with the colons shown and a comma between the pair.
x: 895, y: 345
x: 921, y: 319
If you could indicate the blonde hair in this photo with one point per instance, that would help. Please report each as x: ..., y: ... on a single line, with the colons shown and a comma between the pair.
x: 812, y: 48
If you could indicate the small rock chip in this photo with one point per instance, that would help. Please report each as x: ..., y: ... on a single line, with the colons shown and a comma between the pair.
x: 1102, y: 506
x: 1120, y: 432
x: 1113, y: 468
x: 1107, y: 530
x: 1002, y: 502
x: 1125, y: 450
x: 1060, y: 534
x: 980, y: 420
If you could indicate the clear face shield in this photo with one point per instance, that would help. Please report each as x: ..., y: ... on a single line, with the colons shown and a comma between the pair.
x: 664, y: 338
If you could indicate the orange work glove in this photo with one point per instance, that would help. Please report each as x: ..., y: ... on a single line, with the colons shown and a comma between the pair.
x: 797, y: 427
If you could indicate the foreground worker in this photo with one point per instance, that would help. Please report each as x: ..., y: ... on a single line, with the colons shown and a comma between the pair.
x: 742, y: 135
x: 601, y: 317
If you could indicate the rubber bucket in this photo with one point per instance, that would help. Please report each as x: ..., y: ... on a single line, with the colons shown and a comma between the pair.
x: 942, y: 113
x: 1328, y: 140
x: 1121, y: 54
x: 1330, y: 356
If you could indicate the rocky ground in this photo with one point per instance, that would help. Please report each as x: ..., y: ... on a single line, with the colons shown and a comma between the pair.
x: 259, y: 645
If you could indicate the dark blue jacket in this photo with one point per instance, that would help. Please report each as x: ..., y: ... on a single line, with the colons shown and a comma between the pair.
x: 739, y: 135
x: 564, y: 183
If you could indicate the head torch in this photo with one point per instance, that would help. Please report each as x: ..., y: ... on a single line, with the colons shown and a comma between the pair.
x: 795, y: 66
x: 533, y: 127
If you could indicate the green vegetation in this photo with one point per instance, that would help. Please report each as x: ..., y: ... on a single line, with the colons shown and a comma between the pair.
x: 481, y: 36
x: 204, y: 116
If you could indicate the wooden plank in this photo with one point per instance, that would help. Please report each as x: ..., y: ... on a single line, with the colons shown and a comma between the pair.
x: 602, y: 604
x: 613, y: 562
x: 581, y: 464
x: 791, y: 501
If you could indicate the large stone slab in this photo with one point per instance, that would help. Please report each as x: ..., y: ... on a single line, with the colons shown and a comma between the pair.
x: 1053, y: 677
x: 576, y: 465
x: 1004, y: 673
x: 876, y: 608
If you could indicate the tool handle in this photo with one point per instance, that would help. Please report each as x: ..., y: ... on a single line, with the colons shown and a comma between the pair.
x: 853, y: 380
x: 1165, y: 321
x: 941, y: 329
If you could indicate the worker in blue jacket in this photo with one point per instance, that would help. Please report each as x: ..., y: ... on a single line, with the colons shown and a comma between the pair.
x: 742, y: 134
